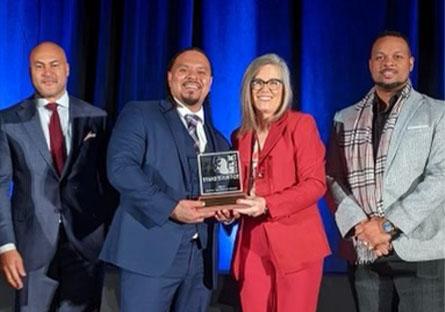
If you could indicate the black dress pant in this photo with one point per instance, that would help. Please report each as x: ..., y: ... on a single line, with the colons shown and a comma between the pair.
x: 391, y: 284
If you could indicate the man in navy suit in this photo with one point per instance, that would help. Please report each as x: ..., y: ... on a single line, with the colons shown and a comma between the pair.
x: 161, y: 239
x: 52, y: 225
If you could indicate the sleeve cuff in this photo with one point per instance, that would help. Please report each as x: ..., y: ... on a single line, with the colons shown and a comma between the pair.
x: 348, y: 215
x: 7, y: 247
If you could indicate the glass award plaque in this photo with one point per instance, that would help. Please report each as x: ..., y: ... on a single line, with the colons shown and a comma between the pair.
x: 220, y: 178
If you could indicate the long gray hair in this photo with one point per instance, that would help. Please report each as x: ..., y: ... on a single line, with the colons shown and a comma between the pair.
x: 249, y: 120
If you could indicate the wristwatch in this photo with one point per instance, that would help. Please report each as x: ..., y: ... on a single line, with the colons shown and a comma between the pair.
x: 390, y: 229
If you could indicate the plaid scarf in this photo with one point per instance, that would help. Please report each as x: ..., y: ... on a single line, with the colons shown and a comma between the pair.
x: 365, y: 175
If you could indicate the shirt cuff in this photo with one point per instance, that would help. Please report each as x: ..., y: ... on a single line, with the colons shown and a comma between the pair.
x: 7, y: 247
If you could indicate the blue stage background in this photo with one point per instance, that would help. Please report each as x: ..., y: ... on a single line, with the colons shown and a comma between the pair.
x: 118, y: 51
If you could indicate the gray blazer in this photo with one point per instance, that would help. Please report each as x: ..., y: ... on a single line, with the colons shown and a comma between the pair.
x: 413, y: 183
x: 29, y: 218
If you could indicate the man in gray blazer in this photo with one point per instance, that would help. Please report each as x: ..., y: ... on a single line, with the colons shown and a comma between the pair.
x: 386, y: 172
x: 52, y: 225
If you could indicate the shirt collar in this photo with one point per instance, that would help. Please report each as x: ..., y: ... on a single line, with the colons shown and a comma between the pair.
x: 381, y: 107
x: 62, y: 101
x: 184, y: 110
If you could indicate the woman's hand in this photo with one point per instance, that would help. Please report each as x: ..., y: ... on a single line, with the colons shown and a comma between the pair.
x: 227, y: 216
x: 256, y: 206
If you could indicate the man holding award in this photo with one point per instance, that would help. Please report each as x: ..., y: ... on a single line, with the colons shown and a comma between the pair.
x: 161, y: 238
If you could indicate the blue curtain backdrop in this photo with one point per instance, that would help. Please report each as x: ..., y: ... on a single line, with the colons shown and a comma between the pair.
x: 118, y: 51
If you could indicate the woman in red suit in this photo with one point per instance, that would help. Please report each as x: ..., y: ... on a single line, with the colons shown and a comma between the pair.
x: 281, y: 242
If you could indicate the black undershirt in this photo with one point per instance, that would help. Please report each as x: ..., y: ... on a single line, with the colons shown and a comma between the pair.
x: 381, y: 113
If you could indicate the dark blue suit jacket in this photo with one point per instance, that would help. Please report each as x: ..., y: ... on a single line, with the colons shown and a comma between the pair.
x: 149, y: 163
x: 30, y: 217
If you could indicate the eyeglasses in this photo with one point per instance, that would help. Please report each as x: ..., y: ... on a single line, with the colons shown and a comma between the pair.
x: 272, y: 84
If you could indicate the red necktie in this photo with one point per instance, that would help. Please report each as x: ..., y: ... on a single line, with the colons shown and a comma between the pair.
x: 57, y: 142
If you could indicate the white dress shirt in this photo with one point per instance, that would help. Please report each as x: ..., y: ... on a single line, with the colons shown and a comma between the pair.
x: 182, y: 111
x: 44, y: 116
x: 63, y: 110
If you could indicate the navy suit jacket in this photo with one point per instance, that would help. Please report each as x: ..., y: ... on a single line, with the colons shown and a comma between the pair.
x: 29, y: 218
x: 149, y: 163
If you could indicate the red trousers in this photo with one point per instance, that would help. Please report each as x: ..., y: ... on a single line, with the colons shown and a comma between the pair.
x: 263, y: 288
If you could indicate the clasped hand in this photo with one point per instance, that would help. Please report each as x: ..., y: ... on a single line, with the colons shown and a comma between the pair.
x: 370, y: 233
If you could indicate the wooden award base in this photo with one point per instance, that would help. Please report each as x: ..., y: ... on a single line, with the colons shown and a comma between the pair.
x: 228, y: 200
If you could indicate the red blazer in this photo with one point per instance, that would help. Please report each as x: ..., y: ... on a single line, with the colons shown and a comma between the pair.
x: 291, y: 177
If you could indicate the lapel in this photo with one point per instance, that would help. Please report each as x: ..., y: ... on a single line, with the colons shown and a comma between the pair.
x: 212, y: 142
x: 408, y: 110
x: 275, y: 133
x: 31, y: 122
x: 78, y: 123
x: 177, y: 132
x: 244, y: 146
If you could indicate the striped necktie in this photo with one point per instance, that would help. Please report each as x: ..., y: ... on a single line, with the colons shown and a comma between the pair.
x: 192, y: 124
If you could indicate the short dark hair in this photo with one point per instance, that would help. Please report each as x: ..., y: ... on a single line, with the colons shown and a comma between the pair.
x: 392, y: 33
x: 180, y: 52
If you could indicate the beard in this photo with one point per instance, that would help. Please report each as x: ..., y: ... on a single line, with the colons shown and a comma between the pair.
x: 191, y: 98
x: 190, y: 101
x: 396, y: 85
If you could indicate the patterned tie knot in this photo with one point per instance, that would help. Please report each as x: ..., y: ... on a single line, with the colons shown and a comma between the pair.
x: 52, y: 107
x: 192, y: 120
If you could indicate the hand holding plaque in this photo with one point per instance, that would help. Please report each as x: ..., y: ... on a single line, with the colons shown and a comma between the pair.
x: 220, y: 179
